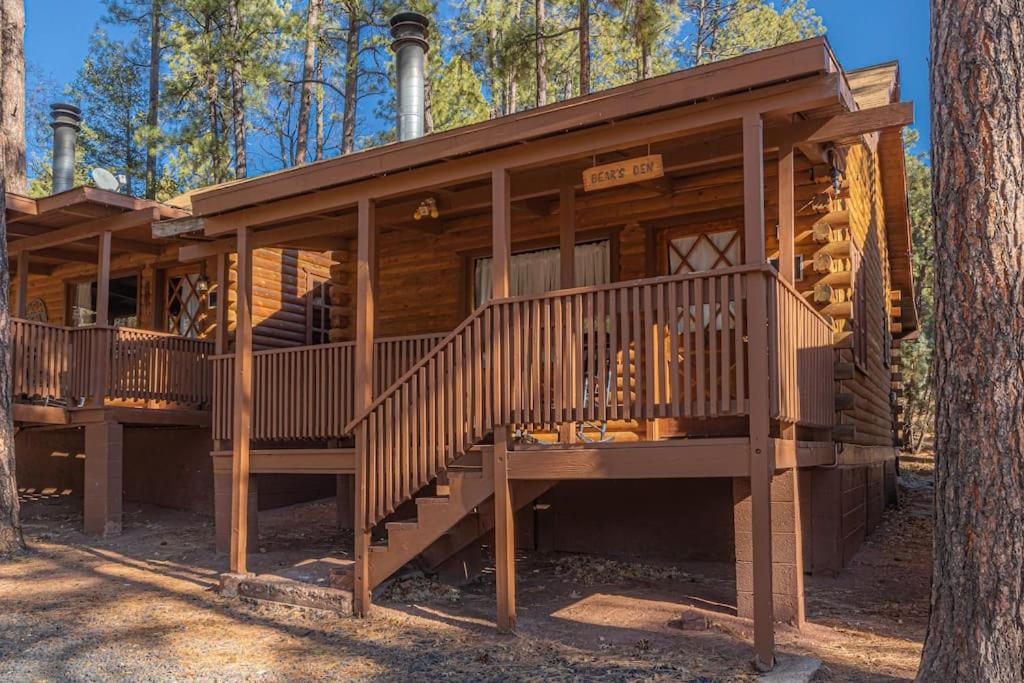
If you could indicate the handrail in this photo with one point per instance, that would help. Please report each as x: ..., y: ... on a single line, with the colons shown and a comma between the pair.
x: 663, y: 347
x: 665, y: 279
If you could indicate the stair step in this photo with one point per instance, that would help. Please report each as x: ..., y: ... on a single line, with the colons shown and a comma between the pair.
x: 404, y: 524
x: 379, y: 547
x: 433, y: 500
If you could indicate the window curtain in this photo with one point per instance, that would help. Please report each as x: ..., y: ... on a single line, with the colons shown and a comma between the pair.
x: 536, y: 272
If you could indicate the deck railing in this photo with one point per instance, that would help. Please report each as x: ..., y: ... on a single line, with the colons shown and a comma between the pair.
x: 94, y: 364
x: 307, y: 392
x: 668, y: 347
x: 801, y: 359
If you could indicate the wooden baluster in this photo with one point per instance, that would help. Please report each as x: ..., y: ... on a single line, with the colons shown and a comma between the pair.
x: 578, y: 358
x: 673, y: 349
x: 628, y: 369
x: 726, y: 369
x: 701, y: 360
x: 614, y: 350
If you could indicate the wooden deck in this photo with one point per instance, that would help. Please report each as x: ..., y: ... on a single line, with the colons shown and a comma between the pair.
x: 65, y: 375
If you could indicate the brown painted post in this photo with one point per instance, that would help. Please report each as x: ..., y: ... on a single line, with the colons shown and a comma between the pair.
x: 787, y: 253
x: 366, y: 286
x: 761, y: 468
x: 220, y: 343
x: 21, y: 306
x: 243, y: 405
x: 103, y: 280
x: 504, y: 527
x: 567, y: 254
x: 104, y: 457
x: 504, y: 535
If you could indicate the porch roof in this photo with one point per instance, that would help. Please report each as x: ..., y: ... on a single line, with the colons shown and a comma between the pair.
x: 62, y: 228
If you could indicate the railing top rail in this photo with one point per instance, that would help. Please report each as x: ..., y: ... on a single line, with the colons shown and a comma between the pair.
x: 155, y: 333
x: 340, y: 345
x: 133, y: 330
x: 554, y: 294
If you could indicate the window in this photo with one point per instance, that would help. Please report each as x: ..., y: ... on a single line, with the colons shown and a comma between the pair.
x: 123, y: 307
x: 539, y: 271
x: 318, y: 310
x: 798, y: 266
x: 185, y: 303
x: 703, y: 251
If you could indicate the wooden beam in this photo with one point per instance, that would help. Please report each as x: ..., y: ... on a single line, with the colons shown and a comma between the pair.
x: 761, y: 467
x: 504, y: 536
x: 103, y: 279
x: 501, y: 233
x: 21, y: 303
x: 787, y: 215
x: 366, y: 297
x: 269, y: 238
x: 68, y: 255
x: 567, y: 234
x: 805, y: 93
x: 178, y: 226
x: 242, y: 422
x: 86, y: 230
x: 693, y: 458
x: 854, y: 123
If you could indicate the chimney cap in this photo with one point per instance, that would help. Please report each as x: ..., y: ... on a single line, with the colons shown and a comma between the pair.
x: 407, y: 26
x: 65, y: 114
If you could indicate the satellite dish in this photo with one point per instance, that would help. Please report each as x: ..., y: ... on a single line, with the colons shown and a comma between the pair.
x: 105, y: 180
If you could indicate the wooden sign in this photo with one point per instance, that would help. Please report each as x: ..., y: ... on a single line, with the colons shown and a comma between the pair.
x: 623, y: 172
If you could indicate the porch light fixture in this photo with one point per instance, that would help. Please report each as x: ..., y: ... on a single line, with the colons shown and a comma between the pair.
x: 428, y: 207
x: 202, y: 284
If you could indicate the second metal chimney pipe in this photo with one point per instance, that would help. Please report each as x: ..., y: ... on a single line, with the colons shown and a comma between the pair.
x: 66, y: 121
x: 409, y: 29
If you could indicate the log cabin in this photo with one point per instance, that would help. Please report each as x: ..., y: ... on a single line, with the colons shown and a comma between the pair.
x: 670, y: 312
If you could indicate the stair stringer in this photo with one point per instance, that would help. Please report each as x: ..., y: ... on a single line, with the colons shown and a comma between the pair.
x: 435, y: 516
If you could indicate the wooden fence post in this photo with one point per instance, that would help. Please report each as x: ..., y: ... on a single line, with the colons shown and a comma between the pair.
x: 243, y: 404
x: 366, y: 285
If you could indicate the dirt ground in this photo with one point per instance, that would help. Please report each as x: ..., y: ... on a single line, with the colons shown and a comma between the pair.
x: 143, y: 606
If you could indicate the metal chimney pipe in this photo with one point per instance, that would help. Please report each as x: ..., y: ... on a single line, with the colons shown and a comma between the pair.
x: 409, y: 29
x: 66, y: 122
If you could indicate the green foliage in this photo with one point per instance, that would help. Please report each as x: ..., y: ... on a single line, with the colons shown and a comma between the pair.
x: 916, y: 359
x: 483, y: 63
x: 760, y: 24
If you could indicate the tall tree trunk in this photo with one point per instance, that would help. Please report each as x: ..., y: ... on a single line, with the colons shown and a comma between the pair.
x: 646, y: 64
x: 584, y: 47
x: 12, y: 93
x: 428, y: 108
x: 352, y: 40
x: 308, y: 66
x: 976, y: 627
x: 318, y: 110
x: 12, y: 177
x: 540, y: 10
x: 153, y: 115
x: 11, y: 539
x: 237, y: 89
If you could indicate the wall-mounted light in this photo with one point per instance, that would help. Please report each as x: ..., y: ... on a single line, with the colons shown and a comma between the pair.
x: 428, y: 207
x: 202, y: 284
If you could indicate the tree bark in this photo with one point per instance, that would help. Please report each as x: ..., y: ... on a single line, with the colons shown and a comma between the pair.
x: 318, y: 110
x: 11, y: 539
x: 237, y: 90
x: 976, y: 627
x: 153, y: 115
x: 308, y: 65
x: 12, y: 93
x: 348, y: 124
x: 584, y: 47
x: 540, y: 9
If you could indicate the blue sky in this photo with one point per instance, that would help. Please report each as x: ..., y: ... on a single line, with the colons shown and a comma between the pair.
x: 862, y: 32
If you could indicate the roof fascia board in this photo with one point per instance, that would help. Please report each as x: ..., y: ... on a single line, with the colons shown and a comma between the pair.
x: 123, y: 221
x: 740, y: 74
x: 807, y: 93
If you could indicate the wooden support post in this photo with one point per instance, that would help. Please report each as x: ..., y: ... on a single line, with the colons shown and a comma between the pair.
x: 103, y: 280
x: 21, y: 305
x: 501, y: 232
x: 104, y: 458
x: 761, y: 467
x: 787, y: 218
x: 221, y: 285
x: 222, y: 500
x: 504, y: 536
x: 567, y: 234
x: 366, y: 285
x: 567, y: 255
x: 241, y: 428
